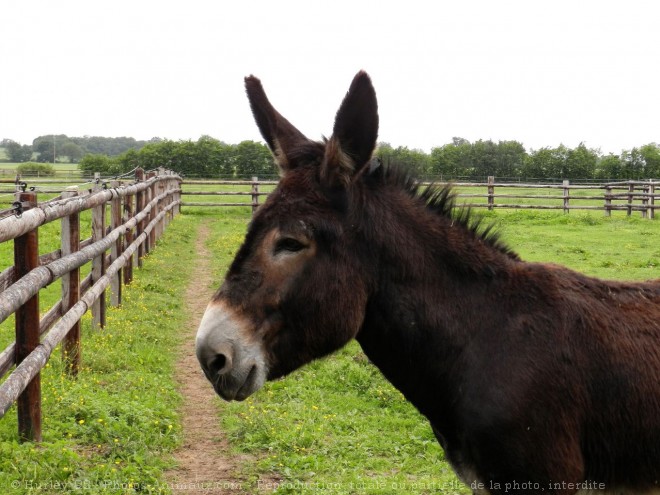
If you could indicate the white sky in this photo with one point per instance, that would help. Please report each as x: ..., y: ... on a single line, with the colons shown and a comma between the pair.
x: 540, y: 72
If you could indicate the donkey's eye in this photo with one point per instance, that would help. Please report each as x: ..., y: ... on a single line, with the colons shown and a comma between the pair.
x: 289, y: 244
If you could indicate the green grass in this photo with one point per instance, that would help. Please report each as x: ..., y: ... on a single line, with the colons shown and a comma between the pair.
x: 59, y: 167
x: 617, y: 247
x: 336, y: 426
x: 116, y: 423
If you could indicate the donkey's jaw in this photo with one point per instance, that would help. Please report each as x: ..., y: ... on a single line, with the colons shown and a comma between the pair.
x: 232, y: 361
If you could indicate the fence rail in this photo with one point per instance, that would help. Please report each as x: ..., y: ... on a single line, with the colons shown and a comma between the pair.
x: 628, y: 196
x: 138, y: 214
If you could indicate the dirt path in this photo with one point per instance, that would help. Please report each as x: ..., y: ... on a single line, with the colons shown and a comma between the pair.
x: 204, y: 465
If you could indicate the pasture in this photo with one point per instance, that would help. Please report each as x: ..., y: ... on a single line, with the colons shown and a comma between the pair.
x: 62, y: 170
x: 333, y: 427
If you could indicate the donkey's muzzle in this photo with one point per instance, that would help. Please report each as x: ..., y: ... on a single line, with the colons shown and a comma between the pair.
x: 230, y: 359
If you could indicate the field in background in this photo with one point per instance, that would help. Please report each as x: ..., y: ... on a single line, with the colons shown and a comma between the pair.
x: 506, y: 197
x: 62, y: 170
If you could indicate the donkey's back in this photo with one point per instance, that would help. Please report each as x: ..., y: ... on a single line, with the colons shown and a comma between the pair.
x: 577, y: 391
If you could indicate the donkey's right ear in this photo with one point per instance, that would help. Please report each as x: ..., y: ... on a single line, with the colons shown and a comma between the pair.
x: 280, y: 135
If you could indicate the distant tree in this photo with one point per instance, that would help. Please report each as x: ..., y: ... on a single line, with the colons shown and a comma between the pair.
x: 610, y: 167
x: 49, y: 147
x: 102, y: 164
x: 45, y: 149
x: 72, y: 151
x: 452, y: 160
x: 651, y: 155
x: 159, y: 154
x: 218, y: 158
x: 253, y: 160
x: 17, y: 152
x: 633, y: 164
x: 546, y: 163
x: 510, y: 158
x: 483, y: 157
x: 414, y: 161
x: 580, y: 163
x: 459, y: 141
x: 128, y: 161
x: 107, y: 146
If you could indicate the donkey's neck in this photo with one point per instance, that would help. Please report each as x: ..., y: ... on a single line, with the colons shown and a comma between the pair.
x: 432, y: 275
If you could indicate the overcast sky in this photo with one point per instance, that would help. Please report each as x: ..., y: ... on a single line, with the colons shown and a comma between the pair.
x: 539, y: 72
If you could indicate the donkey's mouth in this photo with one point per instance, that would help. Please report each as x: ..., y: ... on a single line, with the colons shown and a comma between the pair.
x: 249, y: 387
x: 236, y: 388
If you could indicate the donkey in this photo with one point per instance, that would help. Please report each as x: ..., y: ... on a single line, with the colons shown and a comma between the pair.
x: 535, y: 378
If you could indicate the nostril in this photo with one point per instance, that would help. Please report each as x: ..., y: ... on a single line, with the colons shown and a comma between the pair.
x: 220, y: 364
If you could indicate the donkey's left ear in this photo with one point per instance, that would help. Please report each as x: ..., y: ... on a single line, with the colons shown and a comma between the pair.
x: 354, y: 136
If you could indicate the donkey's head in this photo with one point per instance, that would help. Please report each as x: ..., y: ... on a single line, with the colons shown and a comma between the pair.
x: 297, y: 289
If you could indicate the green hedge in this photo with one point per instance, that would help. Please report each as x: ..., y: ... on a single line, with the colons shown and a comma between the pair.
x: 38, y: 169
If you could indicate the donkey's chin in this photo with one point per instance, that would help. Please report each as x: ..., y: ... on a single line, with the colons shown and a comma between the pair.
x: 239, y: 385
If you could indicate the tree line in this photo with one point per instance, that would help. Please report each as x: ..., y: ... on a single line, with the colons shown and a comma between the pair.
x: 460, y: 159
x: 204, y: 158
x: 53, y: 147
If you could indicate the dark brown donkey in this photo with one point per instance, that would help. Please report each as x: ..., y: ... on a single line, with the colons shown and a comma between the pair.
x: 535, y: 378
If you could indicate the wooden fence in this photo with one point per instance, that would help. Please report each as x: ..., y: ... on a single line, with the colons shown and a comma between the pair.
x: 139, y: 212
x: 240, y: 188
x: 628, y: 196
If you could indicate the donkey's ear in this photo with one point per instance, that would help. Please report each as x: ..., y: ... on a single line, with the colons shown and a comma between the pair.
x: 354, y: 136
x: 280, y: 135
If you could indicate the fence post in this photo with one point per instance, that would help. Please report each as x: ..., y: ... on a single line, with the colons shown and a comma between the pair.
x: 567, y: 195
x: 128, y: 238
x: 608, y: 201
x: 150, y: 241
x: 491, y: 192
x: 139, y: 206
x: 117, y: 248
x: 645, y: 200
x: 26, y: 258
x: 171, y: 184
x: 160, y: 189
x: 651, y: 199
x: 255, y: 194
x: 631, y: 190
x: 70, y: 237
x: 177, y: 196
x: 166, y: 201
x: 98, y: 263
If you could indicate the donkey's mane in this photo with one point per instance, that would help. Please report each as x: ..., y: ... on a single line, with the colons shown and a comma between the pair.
x: 441, y: 200
x: 438, y: 198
